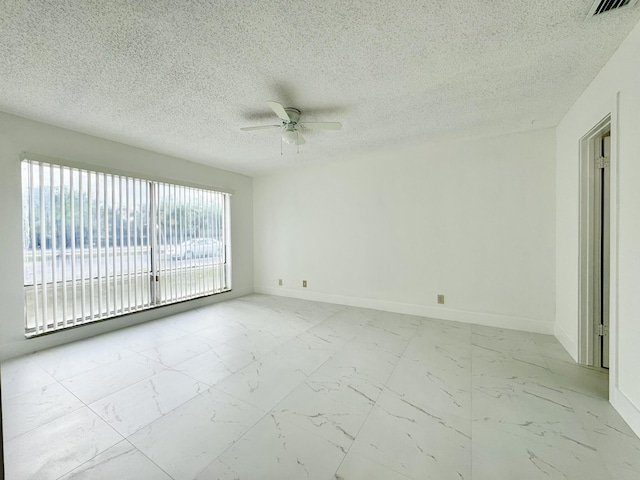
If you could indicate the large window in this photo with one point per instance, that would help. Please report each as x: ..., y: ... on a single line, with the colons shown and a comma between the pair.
x: 99, y: 245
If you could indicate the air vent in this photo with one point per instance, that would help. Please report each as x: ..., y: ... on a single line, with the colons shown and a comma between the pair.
x: 603, y: 6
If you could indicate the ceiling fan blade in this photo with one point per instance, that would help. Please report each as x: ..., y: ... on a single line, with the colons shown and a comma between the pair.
x: 261, y: 127
x: 322, y: 125
x: 279, y: 110
x: 301, y: 140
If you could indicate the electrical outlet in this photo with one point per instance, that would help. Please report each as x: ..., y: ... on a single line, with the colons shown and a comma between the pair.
x: 280, y: 282
x: 441, y: 299
x: 304, y: 283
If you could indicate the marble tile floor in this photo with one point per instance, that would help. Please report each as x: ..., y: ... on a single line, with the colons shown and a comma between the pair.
x: 265, y: 387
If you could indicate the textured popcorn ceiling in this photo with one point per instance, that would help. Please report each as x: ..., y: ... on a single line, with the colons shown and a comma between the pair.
x: 182, y: 77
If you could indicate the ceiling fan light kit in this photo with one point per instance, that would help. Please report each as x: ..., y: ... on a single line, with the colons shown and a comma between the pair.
x: 290, y: 136
x: 291, y: 125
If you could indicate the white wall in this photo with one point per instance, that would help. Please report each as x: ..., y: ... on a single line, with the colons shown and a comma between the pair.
x: 614, y: 91
x: 19, y: 135
x: 473, y: 220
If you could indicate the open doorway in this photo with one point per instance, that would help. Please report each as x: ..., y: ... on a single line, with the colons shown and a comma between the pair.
x: 595, y: 221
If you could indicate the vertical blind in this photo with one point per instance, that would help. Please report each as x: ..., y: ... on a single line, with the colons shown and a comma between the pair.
x: 99, y: 245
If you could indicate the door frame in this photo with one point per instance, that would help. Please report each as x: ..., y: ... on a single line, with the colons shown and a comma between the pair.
x: 602, y: 251
x: 589, y: 152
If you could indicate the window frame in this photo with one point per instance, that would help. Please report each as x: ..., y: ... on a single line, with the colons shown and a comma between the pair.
x: 54, y: 324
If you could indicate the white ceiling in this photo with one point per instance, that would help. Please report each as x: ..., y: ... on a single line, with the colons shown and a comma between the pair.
x: 182, y: 77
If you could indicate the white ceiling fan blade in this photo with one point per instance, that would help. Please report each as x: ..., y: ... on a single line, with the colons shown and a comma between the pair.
x: 301, y: 140
x: 261, y: 127
x: 322, y: 125
x: 279, y: 110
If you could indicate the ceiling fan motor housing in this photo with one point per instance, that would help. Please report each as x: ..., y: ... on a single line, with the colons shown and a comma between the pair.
x: 294, y: 115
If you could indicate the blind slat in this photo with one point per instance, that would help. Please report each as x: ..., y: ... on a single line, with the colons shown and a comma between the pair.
x: 32, y: 219
x: 63, y: 243
x: 152, y: 235
x: 114, y: 257
x: 74, y: 287
x: 120, y: 202
x: 172, y: 260
x: 54, y: 250
x: 200, y: 218
x: 99, y: 243
x: 135, y: 242
x: 128, y: 246
x: 90, y: 246
x: 190, y: 270
x: 83, y: 297
x: 105, y: 220
x: 43, y: 258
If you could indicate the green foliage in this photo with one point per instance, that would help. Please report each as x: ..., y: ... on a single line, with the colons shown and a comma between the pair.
x: 178, y: 221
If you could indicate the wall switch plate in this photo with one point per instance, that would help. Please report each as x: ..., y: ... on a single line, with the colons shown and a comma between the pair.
x: 280, y: 282
x: 304, y: 283
x: 441, y: 299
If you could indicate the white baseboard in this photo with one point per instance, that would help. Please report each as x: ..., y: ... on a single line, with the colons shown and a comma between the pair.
x: 478, y: 318
x: 627, y: 409
x: 237, y: 292
x: 571, y: 346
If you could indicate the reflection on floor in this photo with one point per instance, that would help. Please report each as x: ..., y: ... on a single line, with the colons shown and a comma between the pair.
x: 274, y: 388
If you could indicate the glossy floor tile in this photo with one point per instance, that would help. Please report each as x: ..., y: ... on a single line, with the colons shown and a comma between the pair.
x: 268, y: 387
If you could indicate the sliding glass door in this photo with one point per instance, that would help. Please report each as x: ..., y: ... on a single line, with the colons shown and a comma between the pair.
x: 99, y: 245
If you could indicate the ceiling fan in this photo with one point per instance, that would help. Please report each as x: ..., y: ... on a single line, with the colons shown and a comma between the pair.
x: 291, y: 125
